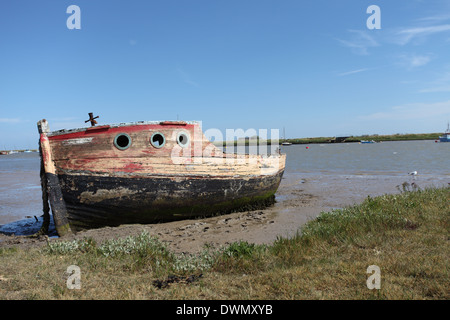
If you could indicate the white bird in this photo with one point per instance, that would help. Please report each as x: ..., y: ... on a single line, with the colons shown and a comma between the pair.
x: 413, y: 174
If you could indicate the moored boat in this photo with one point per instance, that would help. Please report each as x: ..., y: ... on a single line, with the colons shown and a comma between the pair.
x: 446, y: 136
x: 285, y: 142
x: 149, y: 171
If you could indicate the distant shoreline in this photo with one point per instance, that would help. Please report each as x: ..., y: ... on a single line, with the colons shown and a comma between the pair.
x: 18, y: 151
x: 374, y: 137
x: 350, y: 139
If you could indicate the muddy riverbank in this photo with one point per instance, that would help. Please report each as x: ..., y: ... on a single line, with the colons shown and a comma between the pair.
x: 301, y: 197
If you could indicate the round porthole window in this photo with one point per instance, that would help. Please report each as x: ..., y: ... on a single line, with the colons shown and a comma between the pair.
x: 183, y: 139
x: 157, y: 140
x: 122, y: 141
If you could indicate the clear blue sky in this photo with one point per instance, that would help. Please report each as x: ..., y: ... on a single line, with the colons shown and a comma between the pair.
x: 310, y: 66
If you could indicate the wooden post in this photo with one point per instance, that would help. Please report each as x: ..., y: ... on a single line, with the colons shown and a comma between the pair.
x: 52, y: 182
x: 45, y: 205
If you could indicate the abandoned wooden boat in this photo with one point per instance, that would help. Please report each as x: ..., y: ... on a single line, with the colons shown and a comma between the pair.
x: 145, y: 172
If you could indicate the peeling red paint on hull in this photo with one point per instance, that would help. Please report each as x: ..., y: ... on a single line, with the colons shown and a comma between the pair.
x: 155, y: 171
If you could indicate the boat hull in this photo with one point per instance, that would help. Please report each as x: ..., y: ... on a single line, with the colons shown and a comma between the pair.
x: 97, y: 201
x: 150, y: 172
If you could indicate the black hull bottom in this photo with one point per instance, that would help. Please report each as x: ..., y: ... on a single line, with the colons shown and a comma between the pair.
x: 97, y: 201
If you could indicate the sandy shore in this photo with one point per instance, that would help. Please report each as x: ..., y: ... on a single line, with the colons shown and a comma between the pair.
x: 300, y: 198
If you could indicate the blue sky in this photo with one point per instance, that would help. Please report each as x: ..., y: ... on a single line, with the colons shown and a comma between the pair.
x: 311, y: 66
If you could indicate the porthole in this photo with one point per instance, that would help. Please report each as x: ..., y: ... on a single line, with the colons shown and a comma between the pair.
x: 183, y: 139
x: 122, y: 141
x: 157, y: 140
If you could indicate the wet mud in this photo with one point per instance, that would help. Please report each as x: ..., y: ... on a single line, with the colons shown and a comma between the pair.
x: 300, y: 198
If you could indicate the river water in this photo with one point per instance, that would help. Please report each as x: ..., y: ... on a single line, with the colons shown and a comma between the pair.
x: 20, y: 191
x: 394, y: 158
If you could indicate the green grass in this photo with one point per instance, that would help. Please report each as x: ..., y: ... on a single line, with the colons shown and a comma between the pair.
x: 406, y: 235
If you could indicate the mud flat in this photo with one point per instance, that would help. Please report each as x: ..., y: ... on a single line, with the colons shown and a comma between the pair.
x: 300, y: 198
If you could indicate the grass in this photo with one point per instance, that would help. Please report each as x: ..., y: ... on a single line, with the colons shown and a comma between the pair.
x: 406, y: 235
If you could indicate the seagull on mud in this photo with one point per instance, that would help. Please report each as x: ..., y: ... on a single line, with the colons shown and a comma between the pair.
x: 413, y: 174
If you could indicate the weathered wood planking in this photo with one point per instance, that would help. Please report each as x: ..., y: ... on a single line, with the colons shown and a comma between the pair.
x: 165, y: 166
x: 81, y: 144
x: 104, y: 183
x: 94, y: 151
x: 51, y: 187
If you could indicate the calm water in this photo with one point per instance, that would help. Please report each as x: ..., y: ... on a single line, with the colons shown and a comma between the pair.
x: 20, y: 189
x: 399, y: 157
x: 20, y: 192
